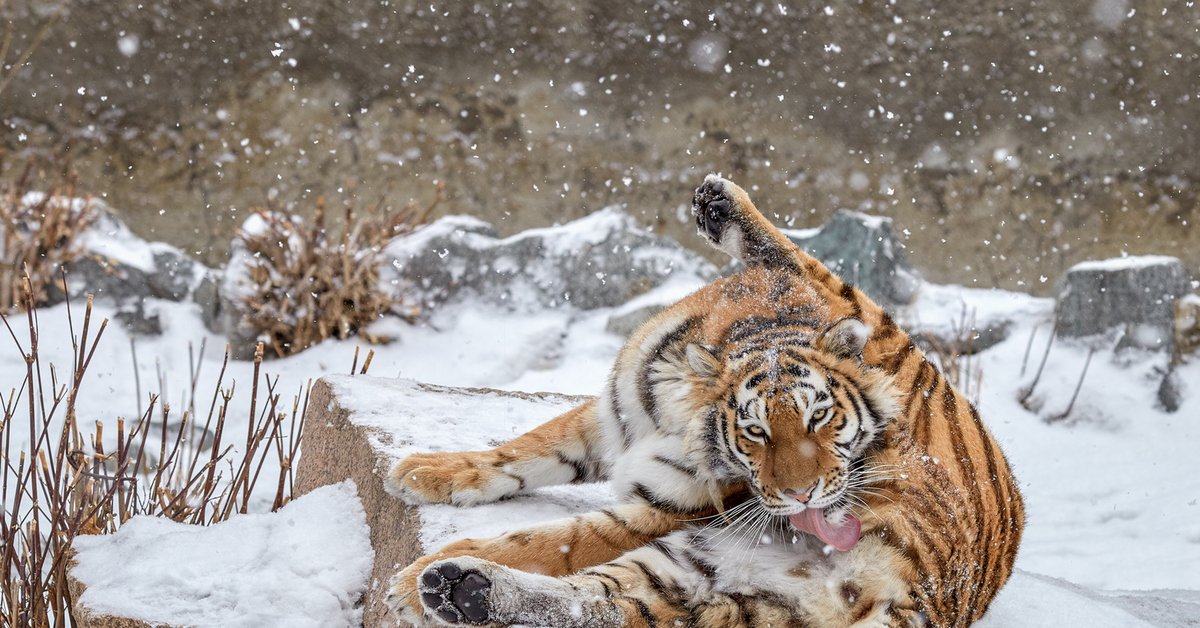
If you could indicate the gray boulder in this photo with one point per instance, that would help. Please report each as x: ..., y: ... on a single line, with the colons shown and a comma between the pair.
x: 118, y: 267
x: 1135, y: 295
x: 601, y: 260
x: 625, y: 324
x: 862, y: 250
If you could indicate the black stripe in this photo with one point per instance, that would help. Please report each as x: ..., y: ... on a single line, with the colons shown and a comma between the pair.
x: 892, y: 363
x: 661, y: 503
x: 645, y: 385
x: 886, y: 330
x: 700, y: 566
x: 600, y: 577
x: 645, y: 612
x: 677, y: 465
x: 665, y: 550
x: 653, y: 580
x: 851, y: 298
x: 581, y: 472
x: 617, y: 414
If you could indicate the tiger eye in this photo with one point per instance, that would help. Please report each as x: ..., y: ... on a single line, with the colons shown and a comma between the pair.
x: 755, y: 431
x: 820, y: 414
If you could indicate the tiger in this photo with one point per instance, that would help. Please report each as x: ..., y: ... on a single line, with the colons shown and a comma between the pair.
x: 782, y: 455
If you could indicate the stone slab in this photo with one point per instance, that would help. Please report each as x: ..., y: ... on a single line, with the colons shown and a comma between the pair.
x: 358, y: 427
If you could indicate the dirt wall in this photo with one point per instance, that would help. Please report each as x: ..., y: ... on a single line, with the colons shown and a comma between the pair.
x: 1008, y: 140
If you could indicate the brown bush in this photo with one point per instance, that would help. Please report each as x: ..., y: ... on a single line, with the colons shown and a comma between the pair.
x: 307, y: 286
x: 40, y: 224
x: 63, y: 483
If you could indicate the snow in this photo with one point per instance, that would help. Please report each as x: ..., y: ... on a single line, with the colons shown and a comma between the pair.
x: 114, y: 241
x: 1125, y: 263
x: 1112, y: 490
x: 304, y: 565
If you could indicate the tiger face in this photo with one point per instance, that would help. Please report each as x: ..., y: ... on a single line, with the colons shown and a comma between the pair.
x: 792, y: 412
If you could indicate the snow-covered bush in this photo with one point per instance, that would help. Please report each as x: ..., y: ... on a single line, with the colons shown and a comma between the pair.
x: 62, y: 480
x: 40, y: 225
x: 302, y: 286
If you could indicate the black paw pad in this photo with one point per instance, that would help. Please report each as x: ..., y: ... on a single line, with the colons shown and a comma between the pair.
x: 711, y: 207
x: 455, y: 596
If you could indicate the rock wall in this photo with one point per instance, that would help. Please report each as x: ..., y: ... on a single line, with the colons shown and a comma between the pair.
x: 1007, y: 140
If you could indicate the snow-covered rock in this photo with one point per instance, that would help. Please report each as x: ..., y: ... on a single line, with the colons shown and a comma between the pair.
x: 862, y: 249
x: 117, y: 266
x: 601, y: 260
x: 1135, y: 294
x: 358, y: 427
x: 304, y: 565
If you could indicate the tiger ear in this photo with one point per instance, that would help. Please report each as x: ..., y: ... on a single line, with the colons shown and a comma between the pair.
x: 846, y: 338
x: 705, y: 363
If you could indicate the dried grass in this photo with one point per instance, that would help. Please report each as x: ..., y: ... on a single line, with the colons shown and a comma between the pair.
x: 62, y: 484
x: 308, y: 287
x: 955, y: 356
x: 40, y: 225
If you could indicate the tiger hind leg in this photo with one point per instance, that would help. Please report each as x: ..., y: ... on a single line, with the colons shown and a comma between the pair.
x: 671, y: 583
x: 475, y: 592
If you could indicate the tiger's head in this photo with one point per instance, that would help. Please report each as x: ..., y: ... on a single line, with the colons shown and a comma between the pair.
x: 791, y: 412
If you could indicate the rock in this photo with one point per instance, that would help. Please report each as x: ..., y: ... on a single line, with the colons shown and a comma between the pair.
x: 116, y: 266
x: 1170, y: 392
x: 138, y: 321
x: 862, y: 250
x: 174, y: 274
x: 601, y: 260
x: 1135, y: 294
x: 625, y: 324
x: 208, y: 296
x: 976, y: 339
x: 358, y: 427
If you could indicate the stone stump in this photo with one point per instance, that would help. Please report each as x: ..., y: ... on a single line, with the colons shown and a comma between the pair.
x: 358, y: 427
x: 1135, y: 295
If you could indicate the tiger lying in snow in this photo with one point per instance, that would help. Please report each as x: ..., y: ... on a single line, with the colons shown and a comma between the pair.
x: 783, y: 454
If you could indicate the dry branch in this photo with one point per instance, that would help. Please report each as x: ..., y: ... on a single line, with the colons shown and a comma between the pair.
x: 307, y: 286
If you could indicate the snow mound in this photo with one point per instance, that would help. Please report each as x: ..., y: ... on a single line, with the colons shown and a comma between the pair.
x: 304, y: 565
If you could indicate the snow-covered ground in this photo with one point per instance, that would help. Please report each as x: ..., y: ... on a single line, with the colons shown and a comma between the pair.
x: 1112, y: 490
x: 303, y: 566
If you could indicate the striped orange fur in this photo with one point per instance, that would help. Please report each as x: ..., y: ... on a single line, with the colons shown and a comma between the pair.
x: 775, y: 396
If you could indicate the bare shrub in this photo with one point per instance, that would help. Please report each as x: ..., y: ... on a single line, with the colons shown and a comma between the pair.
x: 307, y: 286
x: 63, y: 484
x: 40, y: 225
x: 955, y: 355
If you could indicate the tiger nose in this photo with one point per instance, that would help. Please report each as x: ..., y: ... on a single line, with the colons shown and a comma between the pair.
x: 805, y: 496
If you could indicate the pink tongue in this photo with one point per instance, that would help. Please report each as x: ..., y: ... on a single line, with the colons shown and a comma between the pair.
x: 842, y: 536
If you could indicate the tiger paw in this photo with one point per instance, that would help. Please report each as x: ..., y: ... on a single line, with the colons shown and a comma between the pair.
x: 461, y: 479
x: 404, y: 598
x: 455, y: 595
x: 712, y: 207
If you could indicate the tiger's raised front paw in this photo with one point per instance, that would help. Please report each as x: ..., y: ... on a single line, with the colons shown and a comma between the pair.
x: 460, y: 478
x: 454, y: 594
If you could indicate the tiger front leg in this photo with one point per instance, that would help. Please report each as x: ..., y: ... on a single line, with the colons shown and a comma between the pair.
x: 557, y: 452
